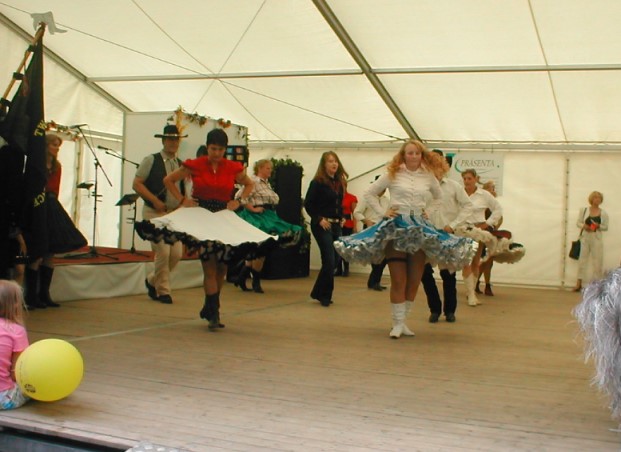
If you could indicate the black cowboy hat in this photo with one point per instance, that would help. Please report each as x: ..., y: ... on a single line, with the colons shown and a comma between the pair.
x: 170, y: 131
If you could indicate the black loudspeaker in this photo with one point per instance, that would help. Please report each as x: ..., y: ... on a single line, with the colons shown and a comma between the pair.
x: 291, y: 262
x: 288, y: 185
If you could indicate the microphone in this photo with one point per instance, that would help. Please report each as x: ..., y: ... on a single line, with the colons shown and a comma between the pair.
x: 77, y: 126
x: 105, y: 149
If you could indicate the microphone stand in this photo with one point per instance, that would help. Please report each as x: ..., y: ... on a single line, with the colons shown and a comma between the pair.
x: 128, y: 199
x: 93, y: 253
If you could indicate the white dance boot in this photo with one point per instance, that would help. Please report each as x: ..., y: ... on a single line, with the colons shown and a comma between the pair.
x: 398, y: 316
x: 405, y: 330
x: 471, y: 296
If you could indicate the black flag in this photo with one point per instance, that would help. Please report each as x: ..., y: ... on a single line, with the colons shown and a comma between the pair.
x: 23, y: 127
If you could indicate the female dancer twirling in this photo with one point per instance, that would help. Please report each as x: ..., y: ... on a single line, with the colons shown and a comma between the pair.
x: 207, y: 222
x: 405, y: 237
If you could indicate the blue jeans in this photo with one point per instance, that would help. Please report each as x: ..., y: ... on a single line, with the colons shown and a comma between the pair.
x: 324, y: 285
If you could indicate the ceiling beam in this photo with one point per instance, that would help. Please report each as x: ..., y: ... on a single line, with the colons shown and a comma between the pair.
x: 359, y: 58
x: 350, y: 72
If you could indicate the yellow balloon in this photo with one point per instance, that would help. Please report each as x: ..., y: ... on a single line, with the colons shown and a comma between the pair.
x: 49, y: 370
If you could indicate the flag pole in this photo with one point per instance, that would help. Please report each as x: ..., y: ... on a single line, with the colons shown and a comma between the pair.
x: 37, y: 37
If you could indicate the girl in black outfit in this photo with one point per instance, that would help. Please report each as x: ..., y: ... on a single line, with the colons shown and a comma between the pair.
x: 323, y: 203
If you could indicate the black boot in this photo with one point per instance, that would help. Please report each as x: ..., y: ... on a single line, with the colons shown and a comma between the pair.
x: 45, y: 280
x: 215, y: 309
x: 207, y: 310
x: 345, y: 268
x: 256, y: 282
x: 32, y: 285
x: 241, y: 278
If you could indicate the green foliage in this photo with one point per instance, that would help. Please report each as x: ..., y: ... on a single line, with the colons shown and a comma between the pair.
x: 280, y: 163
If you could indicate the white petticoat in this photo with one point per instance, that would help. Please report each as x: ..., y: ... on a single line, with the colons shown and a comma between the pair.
x: 222, y: 233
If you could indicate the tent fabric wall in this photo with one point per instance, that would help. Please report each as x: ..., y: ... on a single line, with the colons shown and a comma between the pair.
x: 471, y: 75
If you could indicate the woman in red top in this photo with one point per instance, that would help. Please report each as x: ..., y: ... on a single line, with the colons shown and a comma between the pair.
x: 62, y: 235
x: 349, y: 227
x: 221, y: 237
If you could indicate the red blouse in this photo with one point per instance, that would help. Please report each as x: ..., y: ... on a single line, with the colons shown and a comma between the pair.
x: 210, y: 184
x: 53, y: 181
x: 348, y: 202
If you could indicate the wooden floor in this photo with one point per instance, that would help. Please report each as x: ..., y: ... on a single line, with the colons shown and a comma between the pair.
x: 288, y: 374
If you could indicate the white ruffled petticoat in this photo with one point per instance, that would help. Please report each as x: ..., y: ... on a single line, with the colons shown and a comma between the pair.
x: 221, y: 233
x: 408, y: 233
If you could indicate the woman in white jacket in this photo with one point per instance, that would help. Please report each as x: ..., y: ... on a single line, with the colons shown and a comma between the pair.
x: 593, y: 220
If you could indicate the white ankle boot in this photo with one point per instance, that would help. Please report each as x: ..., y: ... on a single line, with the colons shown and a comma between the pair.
x: 398, y: 316
x: 405, y: 330
x: 470, y: 294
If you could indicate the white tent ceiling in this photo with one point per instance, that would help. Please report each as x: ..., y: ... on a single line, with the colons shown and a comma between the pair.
x: 484, y: 71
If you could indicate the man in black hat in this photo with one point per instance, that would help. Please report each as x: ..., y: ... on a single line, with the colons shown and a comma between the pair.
x: 149, y: 184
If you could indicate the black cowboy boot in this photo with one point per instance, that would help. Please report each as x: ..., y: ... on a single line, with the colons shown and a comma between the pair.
x: 241, y: 278
x: 207, y: 310
x: 256, y: 282
x: 32, y: 292
x: 45, y: 280
x: 214, y: 322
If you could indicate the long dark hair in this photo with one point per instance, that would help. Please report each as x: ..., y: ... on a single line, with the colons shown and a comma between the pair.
x: 340, y: 177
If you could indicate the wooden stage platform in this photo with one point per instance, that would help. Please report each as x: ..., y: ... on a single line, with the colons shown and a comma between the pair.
x: 288, y: 374
x: 113, y: 272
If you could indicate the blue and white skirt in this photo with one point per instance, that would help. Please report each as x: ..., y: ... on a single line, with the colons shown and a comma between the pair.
x: 409, y: 234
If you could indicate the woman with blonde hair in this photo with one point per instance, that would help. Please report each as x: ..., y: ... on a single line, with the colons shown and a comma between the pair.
x: 260, y: 211
x: 62, y: 235
x: 592, y: 221
x: 13, y: 341
x: 405, y: 237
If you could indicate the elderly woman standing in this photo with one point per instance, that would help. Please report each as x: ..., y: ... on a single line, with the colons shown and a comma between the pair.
x: 405, y: 237
x: 260, y: 211
x: 592, y: 221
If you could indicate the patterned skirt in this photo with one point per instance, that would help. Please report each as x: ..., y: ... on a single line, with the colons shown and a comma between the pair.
x: 222, y: 234
x: 268, y: 221
x: 499, y: 244
x: 408, y: 233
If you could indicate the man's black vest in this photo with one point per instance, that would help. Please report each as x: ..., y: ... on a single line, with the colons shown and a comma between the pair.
x: 155, y: 181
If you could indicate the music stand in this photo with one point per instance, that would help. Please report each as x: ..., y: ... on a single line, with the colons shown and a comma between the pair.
x: 130, y: 200
x: 92, y: 252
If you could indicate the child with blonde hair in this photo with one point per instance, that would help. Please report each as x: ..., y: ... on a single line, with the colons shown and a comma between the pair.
x: 13, y: 341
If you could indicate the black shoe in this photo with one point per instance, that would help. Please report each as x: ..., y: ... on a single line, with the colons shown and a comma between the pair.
x: 151, y: 290
x: 166, y: 299
x: 51, y: 304
x: 450, y: 318
x: 433, y: 318
x: 326, y: 303
x: 378, y: 287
